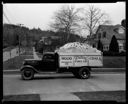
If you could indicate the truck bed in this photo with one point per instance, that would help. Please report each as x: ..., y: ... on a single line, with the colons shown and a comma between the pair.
x: 80, y: 60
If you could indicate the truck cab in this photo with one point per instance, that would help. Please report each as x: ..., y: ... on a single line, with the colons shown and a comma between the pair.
x: 48, y: 62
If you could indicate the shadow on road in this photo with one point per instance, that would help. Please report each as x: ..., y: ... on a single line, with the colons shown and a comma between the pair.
x: 59, y: 77
x: 52, y: 77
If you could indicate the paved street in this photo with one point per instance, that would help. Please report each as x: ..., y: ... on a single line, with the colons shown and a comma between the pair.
x: 62, y: 83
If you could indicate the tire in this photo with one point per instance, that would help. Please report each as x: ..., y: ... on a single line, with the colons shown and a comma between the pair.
x: 84, y: 73
x: 27, y: 74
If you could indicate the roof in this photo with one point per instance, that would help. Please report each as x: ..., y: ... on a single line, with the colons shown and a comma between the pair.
x: 112, y: 30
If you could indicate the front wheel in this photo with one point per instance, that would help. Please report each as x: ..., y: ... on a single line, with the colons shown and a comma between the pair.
x: 27, y: 74
x: 84, y: 73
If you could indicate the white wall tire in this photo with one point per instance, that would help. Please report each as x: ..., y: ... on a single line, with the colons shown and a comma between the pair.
x: 27, y: 74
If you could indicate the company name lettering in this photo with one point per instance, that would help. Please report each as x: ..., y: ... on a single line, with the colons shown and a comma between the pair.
x: 66, y: 58
x: 94, y: 58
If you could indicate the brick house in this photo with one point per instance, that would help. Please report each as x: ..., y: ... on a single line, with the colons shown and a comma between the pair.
x: 105, y: 34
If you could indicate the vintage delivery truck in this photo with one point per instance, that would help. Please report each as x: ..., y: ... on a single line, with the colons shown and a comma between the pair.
x: 77, y: 58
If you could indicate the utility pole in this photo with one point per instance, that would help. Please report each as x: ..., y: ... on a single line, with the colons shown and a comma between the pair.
x: 19, y: 38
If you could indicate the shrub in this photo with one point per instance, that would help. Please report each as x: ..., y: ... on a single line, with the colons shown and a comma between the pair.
x: 114, y: 47
x: 100, y: 46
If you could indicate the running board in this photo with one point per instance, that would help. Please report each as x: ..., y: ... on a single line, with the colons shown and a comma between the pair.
x: 46, y: 73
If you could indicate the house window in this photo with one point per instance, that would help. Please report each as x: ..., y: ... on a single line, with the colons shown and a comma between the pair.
x: 124, y: 46
x: 93, y: 45
x: 99, y: 35
x: 120, y: 31
x: 104, y: 34
x: 106, y: 48
x: 120, y: 47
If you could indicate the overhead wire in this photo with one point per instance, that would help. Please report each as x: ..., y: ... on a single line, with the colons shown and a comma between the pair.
x: 6, y: 17
x: 5, y: 14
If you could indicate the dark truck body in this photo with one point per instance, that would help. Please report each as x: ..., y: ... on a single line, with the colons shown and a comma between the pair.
x: 50, y: 63
x: 47, y: 63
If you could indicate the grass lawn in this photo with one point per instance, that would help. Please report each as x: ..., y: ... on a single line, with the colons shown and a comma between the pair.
x: 16, y: 62
x: 27, y: 97
x: 8, y: 48
x: 119, y: 96
x: 114, y: 62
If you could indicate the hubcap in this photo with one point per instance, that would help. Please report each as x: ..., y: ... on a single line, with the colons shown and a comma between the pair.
x: 84, y: 74
x: 27, y: 73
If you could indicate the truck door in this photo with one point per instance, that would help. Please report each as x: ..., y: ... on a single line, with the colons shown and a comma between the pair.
x: 48, y: 63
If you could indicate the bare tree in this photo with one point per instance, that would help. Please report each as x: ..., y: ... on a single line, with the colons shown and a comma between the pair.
x: 66, y: 19
x: 93, y: 17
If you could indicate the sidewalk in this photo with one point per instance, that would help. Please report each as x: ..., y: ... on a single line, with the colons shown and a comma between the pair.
x: 118, y: 96
x: 34, y: 54
x: 59, y: 97
x: 43, y: 97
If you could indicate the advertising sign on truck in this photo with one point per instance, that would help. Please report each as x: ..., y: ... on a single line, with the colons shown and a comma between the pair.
x: 78, y: 55
x: 66, y: 61
x: 79, y: 60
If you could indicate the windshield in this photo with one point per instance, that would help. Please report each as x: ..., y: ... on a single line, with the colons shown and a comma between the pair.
x: 49, y: 57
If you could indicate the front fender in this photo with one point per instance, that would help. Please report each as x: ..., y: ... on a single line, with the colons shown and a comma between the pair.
x: 29, y: 66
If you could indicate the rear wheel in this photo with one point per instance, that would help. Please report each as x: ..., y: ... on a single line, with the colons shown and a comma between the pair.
x: 27, y: 74
x: 84, y: 73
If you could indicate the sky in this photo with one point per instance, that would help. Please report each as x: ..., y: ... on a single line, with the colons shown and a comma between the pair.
x: 39, y: 15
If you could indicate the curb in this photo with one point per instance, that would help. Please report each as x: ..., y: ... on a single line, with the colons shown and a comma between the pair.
x: 17, y: 71
x: 11, y: 71
x: 108, y: 69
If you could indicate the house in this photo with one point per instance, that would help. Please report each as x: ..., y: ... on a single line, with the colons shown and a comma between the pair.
x: 105, y: 34
x: 91, y: 40
x: 47, y: 40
